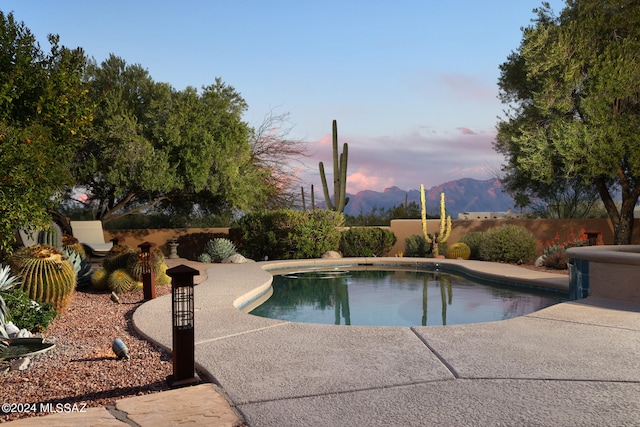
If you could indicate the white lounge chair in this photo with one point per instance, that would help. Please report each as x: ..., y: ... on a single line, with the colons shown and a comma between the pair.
x: 91, y: 235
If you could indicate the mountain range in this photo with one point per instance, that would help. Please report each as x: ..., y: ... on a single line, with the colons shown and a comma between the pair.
x: 462, y: 195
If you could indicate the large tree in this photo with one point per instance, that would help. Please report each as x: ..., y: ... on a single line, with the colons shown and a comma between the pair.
x: 44, y: 114
x: 153, y: 146
x: 573, y: 93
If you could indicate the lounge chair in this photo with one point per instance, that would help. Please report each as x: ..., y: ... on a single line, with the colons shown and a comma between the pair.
x: 91, y: 235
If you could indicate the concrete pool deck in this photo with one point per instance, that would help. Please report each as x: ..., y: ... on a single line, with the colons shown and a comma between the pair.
x: 575, y: 363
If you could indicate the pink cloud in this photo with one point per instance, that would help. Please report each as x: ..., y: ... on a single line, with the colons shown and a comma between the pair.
x: 469, y: 87
x: 465, y: 131
x: 365, y: 180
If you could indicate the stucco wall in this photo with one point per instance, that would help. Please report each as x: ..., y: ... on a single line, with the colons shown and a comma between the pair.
x: 543, y: 229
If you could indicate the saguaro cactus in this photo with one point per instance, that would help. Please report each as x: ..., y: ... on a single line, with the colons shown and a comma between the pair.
x: 339, y: 175
x: 445, y: 224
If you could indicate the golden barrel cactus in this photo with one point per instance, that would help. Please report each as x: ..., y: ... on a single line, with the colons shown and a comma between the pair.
x: 459, y: 250
x: 46, y: 275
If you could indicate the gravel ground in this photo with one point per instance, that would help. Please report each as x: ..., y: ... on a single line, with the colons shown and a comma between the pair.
x: 82, y: 368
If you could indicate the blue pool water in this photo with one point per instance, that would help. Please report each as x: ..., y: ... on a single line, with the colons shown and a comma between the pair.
x: 396, y: 298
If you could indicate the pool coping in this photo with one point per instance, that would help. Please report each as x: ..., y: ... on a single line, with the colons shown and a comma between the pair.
x: 280, y: 373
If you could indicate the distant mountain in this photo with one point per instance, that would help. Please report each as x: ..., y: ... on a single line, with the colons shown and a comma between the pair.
x: 462, y: 195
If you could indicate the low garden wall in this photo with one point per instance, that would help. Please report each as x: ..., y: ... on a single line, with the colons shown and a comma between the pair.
x: 192, y: 240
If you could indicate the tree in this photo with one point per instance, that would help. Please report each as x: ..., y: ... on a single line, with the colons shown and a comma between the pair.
x: 275, y: 153
x: 153, y: 147
x: 44, y: 114
x: 573, y: 93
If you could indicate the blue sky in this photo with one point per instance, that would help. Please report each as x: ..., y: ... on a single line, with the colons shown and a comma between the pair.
x: 412, y: 83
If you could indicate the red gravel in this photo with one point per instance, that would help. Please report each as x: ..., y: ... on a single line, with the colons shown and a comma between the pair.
x: 82, y: 368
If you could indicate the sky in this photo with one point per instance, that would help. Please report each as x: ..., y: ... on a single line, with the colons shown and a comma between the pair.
x: 411, y: 83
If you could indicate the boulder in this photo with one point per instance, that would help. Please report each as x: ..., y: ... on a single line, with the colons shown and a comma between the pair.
x: 236, y: 259
x: 331, y: 254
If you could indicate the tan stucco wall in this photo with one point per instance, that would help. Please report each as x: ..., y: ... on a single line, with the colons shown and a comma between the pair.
x: 543, y: 229
x: 160, y: 237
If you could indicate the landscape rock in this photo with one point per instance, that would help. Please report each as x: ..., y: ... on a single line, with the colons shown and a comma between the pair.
x: 12, y: 330
x: 331, y: 254
x: 236, y: 259
x: 21, y: 364
x: 539, y: 261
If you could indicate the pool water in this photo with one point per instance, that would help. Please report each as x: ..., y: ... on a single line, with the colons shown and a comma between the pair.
x: 396, y: 298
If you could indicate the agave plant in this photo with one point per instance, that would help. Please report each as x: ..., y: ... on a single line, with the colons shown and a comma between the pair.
x: 81, y: 266
x: 7, y: 281
x: 219, y: 249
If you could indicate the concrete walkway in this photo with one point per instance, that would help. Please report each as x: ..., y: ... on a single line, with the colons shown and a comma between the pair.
x: 571, y: 364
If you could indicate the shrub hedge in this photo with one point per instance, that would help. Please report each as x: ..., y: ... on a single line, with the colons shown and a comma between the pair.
x: 366, y: 242
x: 508, y: 243
x: 289, y: 234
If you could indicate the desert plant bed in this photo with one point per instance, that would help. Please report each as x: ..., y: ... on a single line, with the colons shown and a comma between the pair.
x: 82, y: 367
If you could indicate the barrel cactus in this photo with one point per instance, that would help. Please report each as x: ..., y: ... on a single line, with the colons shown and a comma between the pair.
x: 100, y: 278
x: 120, y: 281
x: 51, y: 236
x: 459, y: 250
x: 46, y: 275
x: 118, y: 257
x: 159, y: 266
x: 219, y: 249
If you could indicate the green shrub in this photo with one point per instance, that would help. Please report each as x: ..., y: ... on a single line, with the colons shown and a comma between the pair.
x: 28, y: 314
x: 416, y: 246
x: 508, y: 243
x: 289, y: 234
x: 366, y: 242
x: 474, y: 240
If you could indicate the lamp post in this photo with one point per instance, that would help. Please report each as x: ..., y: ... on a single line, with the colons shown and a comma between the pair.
x: 182, y: 313
x: 148, y: 279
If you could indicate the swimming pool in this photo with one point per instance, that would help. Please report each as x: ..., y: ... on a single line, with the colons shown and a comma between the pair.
x: 396, y: 297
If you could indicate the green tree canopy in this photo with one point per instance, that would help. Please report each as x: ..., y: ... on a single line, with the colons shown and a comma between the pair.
x: 153, y: 146
x: 44, y: 114
x: 573, y: 93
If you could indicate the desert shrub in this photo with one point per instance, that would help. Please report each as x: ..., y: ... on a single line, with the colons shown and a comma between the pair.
x: 26, y: 313
x: 289, y: 234
x: 474, y: 240
x: 366, y: 242
x: 416, y: 246
x: 555, y: 252
x: 508, y: 243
